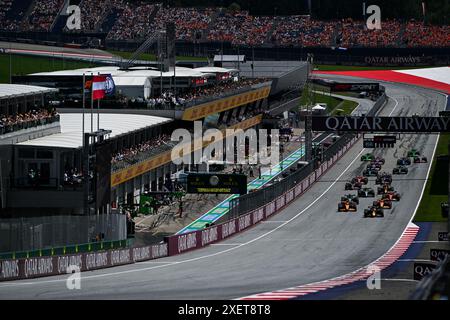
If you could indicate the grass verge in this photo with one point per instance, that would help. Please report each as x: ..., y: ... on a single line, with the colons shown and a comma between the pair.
x: 23, y: 65
x: 436, y: 189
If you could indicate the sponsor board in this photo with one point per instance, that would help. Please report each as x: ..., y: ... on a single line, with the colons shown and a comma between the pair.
x: 131, y: 172
x: 228, y: 229
x: 443, y: 236
x: 209, y: 236
x: 217, y: 106
x: 422, y: 269
x: 438, y: 254
x: 57, y: 265
x: 381, y: 124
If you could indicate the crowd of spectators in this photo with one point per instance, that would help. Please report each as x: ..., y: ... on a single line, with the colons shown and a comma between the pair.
x: 133, y: 22
x: 5, y: 6
x: 33, y: 118
x: 189, y: 22
x: 240, y: 28
x: 168, y: 100
x: 304, y: 31
x: 419, y: 35
x: 356, y: 34
x: 136, y: 20
x: 43, y: 15
x: 93, y: 13
x: 129, y: 155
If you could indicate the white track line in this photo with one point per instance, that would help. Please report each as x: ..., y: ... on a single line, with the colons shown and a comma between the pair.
x: 201, y: 257
x: 221, y: 252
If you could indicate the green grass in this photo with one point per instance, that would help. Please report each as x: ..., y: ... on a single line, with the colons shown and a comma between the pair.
x: 332, y: 103
x: 436, y: 190
x: 23, y: 65
x: 347, y: 106
x: 322, y: 98
x: 152, y: 57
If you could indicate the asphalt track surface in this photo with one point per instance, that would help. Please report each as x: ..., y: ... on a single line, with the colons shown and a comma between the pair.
x: 307, y: 242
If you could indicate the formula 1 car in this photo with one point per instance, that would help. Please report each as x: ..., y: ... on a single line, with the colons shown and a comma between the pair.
x: 350, y: 197
x: 366, y: 193
x: 347, y: 206
x: 385, y: 189
x: 353, y: 186
x: 420, y: 160
x: 404, y: 162
x: 373, y: 212
x: 370, y: 173
x: 413, y: 153
x: 360, y: 179
x: 400, y: 170
x: 383, y: 178
x: 391, y: 196
x: 379, y: 160
x: 373, y: 166
x: 367, y: 157
x: 383, y: 204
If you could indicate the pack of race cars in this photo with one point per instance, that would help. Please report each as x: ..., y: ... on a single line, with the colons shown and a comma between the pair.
x: 383, y: 181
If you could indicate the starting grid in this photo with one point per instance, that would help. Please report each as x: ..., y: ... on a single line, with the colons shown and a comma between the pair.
x: 224, y: 207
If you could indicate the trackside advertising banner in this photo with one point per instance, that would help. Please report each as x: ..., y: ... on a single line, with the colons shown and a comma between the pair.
x: 57, y: 265
x: 16, y: 269
x: 381, y: 124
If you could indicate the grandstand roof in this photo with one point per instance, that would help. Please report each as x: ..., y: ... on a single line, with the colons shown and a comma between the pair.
x: 134, y: 72
x: 71, y: 128
x: 8, y: 91
x: 215, y: 70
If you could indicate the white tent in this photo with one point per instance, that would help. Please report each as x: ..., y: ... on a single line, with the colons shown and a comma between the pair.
x: 139, y: 86
x: 319, y: 108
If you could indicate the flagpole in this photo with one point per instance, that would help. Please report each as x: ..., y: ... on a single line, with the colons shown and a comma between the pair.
x: 98, y: 113
x: 92, y: 104
x: 84, y: 106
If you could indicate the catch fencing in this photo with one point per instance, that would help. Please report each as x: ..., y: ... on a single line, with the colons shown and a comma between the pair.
x: 34, y: 233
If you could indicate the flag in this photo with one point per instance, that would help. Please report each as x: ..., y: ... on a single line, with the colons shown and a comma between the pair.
x: 110, y: 86
x: 98, y: 87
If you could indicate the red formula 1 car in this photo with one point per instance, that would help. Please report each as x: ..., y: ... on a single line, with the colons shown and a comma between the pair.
x: 385, y: 188
x: 373, y: 212
x: 383, y: 178
x: 353, y: 186
x: 382, y: 204
x: 391, y: 196
x: 420, y: 160
x: 360, y: 179
x: 347, y: 206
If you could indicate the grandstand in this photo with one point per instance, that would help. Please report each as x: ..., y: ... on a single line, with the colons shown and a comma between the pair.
x: 126, y: 21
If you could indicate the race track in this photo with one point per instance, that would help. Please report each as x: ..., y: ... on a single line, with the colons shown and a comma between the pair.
x: 308, y: 242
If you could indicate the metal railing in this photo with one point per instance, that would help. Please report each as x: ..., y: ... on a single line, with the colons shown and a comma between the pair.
x: 27, y: 125
x: 256, y: 199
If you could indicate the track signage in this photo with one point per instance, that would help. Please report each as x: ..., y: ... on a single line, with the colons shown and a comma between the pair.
x: 355, y: 87
x: 443, y: 236
x: 380, y: 142
x: 216, y: 183
x: 381, y: 124
x: 438, y: 254
x: 422, y: 269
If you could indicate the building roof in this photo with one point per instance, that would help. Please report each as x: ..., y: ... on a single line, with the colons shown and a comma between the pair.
x: 71, y: 128
x: 8, y: 91
x: 215, y: 70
